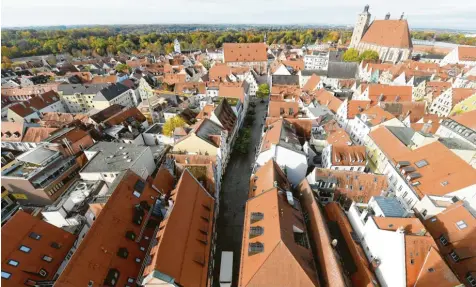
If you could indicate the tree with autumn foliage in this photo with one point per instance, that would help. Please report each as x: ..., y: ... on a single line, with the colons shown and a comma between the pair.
x: 171, y: 124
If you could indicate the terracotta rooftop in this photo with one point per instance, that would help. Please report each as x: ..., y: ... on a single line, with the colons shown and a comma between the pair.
x: 376, y: 115
x: 467, y: 53
x: 39, y: 239
x: 297, y: 65
x: 104, y: 79
x: 206, y: 112
x: 388, y: 33
x: 189, y: 219
x: 355, y: 107
x: 200, y: 166
x: 411, y: 225
x: 363, y: 276
x: 389, y: 144
x: 124, y: 116
x: 219, y: 72
x: 326, y: 98
x: 428, y: 124
x: 353, y: 185
x: 274, y: 232
x: 387, y: 93
x: 190, y: 87
x: 460, y: 94
x: 164, y: 181
x: 311, y: 83
x: 457, y: 226
x: 37, y: 134
x: 172, y: 79
x: 330, y: 266
x: 266, y: 177
x: 232, y: 92
x: 441, y: 171
x: 436, y: 88
x: 345, y: 155
x: 104, y: 247
x: 52, y: 118
x: 467, y: 119
x: 30, y: 90
x: 402, y: 110
x: 283, y: 109
x: 246, y: 52
x: 338, y: 137
x: 435, y: 272
x: 12, y: 132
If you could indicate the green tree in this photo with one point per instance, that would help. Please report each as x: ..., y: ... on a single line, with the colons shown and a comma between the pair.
x: 369, y: 55
x: 171, y: 124
x: 351, y: 55
x: 263, y: 92
x: 122, y: 68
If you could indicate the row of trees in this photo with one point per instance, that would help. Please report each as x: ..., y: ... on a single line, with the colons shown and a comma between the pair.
x: 456, y: 38
x: 112, y: 40
x: 352, y: 55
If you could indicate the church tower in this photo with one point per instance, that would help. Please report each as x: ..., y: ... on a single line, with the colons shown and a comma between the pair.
x: 360, y: 27
x: 177, y: 46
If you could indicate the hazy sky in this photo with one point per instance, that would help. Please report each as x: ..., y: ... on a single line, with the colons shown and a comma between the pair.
x: 420, y: 13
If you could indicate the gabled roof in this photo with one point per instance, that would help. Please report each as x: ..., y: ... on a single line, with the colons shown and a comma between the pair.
x: 353, y: 185
x: 435, y: 272
x: 18, y: 231
x: 125, y: 115
x: 98, y: 252
x: 236, y: 92
x: 467, y: 53
x: 208, y: 130
x: 185, y: 235
x: 225, y: 115
x: 267, y: 177
x: 71, y: 89
x: 460, y: 94
x: 164, y: 181
x: 326, y: 98
x: 467, y: 119
x: 345, y: 155
x: 12, y: 132
x: 283, y: 109
x: 402, y: 110
x: 376, y: 115
x: 37, y: 134
x: 246, y: 52
x: 311, y: 83
x: 458, y: 226
x: 388, y: 33
x: 106, y: 113
x: 387, y: 93
x: 443, y: 173
x: 342, y: 70
x: 111, y: 92
x: 279, y: 221
x: 285, y: 80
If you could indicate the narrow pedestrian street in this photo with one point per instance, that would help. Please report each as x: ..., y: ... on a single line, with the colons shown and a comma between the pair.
x: 234, y: 193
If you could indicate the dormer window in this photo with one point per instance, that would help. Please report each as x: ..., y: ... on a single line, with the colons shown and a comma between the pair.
x: 256, y: 216
x: 256, y: 247
x: 256, y: 231
x: 112, y: 277
x: 443, y: 240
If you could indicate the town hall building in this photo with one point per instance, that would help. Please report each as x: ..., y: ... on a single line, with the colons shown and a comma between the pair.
x: 389, y: 38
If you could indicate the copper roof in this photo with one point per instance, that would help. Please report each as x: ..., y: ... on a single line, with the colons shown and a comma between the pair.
x: 246, y: 52
x: 388, y: 33
x: 279, y: 221
x: 185, y: 235
x: 98, y: 252
x: 17, y: 232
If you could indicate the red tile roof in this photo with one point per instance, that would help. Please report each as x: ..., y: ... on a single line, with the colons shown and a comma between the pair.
x: 98, y: 252
x: 246, y: 52
x: 185, y: 235
x: 388, y: 33
x: 17, y: 232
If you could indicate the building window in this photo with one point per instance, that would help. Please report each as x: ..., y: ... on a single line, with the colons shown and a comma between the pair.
x: 130, y: 280
x: 6, y: 275
x: 47, y: 258
x: 461, y: 224
x: 13, y: 262
x: 55, y: 245
x: 35, y: 236
x: 454, y: 256
x: 137, y: 260
x: 443, y: 240
x: 25, y: 249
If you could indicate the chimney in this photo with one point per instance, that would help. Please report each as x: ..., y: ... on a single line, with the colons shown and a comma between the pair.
x: 387, y: 17
x: 401, y: 229
x: 403, y: 14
